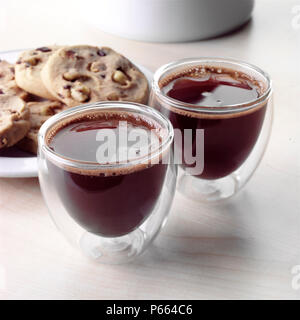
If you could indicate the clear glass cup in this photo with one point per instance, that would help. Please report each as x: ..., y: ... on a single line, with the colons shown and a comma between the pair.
x: 232, y: 138
x: 135, y: 216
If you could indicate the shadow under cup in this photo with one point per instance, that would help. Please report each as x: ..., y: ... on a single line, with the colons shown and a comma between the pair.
x: 112, y: 211
x: 234, y: 136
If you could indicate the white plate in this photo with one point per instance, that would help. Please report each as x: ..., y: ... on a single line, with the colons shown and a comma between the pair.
x: 15, y: 163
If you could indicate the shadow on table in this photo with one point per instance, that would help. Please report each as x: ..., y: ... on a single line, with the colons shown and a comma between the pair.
x: 212, y: 234
x: 14, y: 152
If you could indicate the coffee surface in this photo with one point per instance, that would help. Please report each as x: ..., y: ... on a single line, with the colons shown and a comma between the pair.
x: 80, y: 141
x: 105, y: 138
x: 211, y: 87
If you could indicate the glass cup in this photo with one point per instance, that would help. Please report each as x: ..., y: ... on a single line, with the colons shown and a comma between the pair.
x: 110, y: 211
x: 230, y: 140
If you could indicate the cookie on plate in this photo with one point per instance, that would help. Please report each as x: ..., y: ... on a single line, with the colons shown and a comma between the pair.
x: 14, y: 119
x: 28, y: 71
x: 7, y: 72
x: 81, y: 74
x: 39, y: 113
x: 8, y: 84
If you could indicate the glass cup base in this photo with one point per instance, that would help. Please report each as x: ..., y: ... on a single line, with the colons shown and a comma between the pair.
x: 208, y: 190
x: 112, y: 250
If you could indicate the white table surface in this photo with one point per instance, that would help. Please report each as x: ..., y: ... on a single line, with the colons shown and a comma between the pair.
x: 245, y: 248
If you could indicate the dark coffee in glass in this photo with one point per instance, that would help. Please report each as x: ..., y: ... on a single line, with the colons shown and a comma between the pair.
x: 228, y: 138
x: 108, y: 202
x: 107, y: 175
x: 218, y: 107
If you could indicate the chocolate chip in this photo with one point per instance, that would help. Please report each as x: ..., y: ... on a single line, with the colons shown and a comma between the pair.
x: 1, y: 91
x: 67, y: 86
x: 70, y: 53
x: 12, y: 70
x: 61, y: 96
x: 102, y: 76
x: 101, y: 53
x: 79, y: 57
x: 18, y: 62
x: 44, y: 49
x: 91, y: 55
x: 27, y: 65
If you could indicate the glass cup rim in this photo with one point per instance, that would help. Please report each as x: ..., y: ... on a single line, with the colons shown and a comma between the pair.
x: 104, y: 105
x: 230, y: 108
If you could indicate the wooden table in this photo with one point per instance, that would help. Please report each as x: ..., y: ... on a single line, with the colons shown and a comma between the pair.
x: 245, y: 248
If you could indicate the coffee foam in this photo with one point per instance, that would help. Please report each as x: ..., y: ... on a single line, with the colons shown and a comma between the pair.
x: 135, y: 119
x: 203, y: 71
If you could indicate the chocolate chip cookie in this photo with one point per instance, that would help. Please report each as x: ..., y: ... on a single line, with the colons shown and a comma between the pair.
x: 14, y: 119
x: 28, y: 71
x: 8, y: 84
x: 7, y: 72
x: 81, y: 74
x: 39, y: 113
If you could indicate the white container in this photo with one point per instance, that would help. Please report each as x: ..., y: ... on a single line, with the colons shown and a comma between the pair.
x: 168, y: 20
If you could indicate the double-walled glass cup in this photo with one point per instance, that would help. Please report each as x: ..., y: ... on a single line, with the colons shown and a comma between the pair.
x: 230, y: 140
x: 110, y: 211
